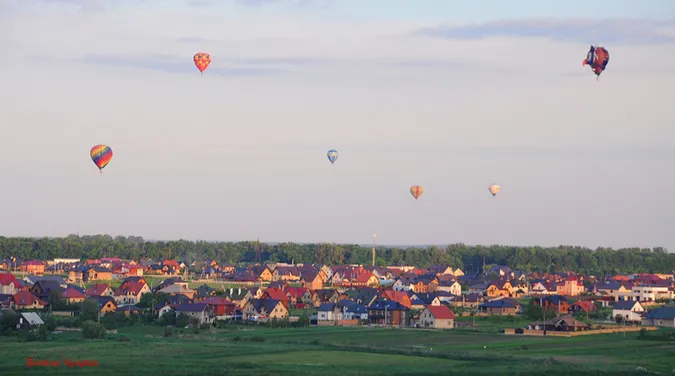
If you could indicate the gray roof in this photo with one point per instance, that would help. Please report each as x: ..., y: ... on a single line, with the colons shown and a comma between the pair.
x: 663, y: 313
x: 32, y: 318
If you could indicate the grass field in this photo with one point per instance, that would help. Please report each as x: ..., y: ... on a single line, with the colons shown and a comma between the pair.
x: 142, y: 350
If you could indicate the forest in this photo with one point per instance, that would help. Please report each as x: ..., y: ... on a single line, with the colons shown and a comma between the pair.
x: 470, y: 258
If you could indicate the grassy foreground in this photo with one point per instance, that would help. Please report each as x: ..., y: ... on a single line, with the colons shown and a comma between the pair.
x: 326, y: 351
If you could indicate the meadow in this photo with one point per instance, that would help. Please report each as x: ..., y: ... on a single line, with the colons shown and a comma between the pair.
x: 252, y: 350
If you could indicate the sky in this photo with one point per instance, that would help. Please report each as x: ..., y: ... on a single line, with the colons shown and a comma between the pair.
x: 450, y: 95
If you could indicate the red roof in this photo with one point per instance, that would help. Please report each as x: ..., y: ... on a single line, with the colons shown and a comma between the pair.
x: 441, y: 312
x: 296, y: 292
x: 97, y: 289
x: 25, y: 298
x: 8, y: 278
x: 71, y: 293
x: 130, y: 287
x: 276, y: 294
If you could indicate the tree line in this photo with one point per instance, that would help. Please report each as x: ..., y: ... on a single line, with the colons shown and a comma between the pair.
x: 470, y: 258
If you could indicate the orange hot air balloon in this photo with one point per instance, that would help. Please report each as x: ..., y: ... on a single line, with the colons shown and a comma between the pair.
x: 416, y: 191
x: 494, y: 189
x: 202, y: 61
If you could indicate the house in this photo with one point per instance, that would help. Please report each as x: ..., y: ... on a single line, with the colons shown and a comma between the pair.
x: 43, y: 288
x: 325, y: 296
x: 627, y: 311
x: 329, y: 312
x: 585, y: 306
x: 451, y: 286
x: 355, y: 311
x: 32, y: 279
x: 612, y: 288
x: 275, y: 294
x: 205, y: 290
x: 130, y: 292
x: 26, y: 300
x: 263, y: 273
x: 73, y: 295
x: 99, y: 289
x: 33, y: 267
x: 499, y: 288
x: 397, y: 296
x: 388, y: 312
x: 560, y: 324
x: 28, y: 321
x: 570, y: 287
x: 401, y: 285
x: 312, y: 280
x: 264, y: 307
x: 664, y: 316
x: 425, y: 283
x: 178, y: 289
x: 222, y: 307
x: 9, y: 284
x: 500, y: 307
x: 437, y: 317
x: 298, y: 296
x: 557, y: 303
x: 97, y: 273
x: 169, y: 303
x: 543, y: 287
x: 106, y: 304
x: 201, y: 313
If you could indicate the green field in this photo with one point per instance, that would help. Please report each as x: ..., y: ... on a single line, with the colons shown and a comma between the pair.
x: 340, y: 351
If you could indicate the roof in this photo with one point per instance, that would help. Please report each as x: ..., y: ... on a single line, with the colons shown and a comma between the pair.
x: 32, y: 318
x: 25, y: 298
x: 191, y: 307
x: 102, y: 300
x: 8, y: 278
x: 441, y: 312
x: 97, y: 289
x: 663, y: 313
x: 501, y: 303
x: 625, y: 305
x: 327, y: 307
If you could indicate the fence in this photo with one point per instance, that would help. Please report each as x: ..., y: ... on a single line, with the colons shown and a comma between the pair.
x: 550, y: 333
x: 337, y: 322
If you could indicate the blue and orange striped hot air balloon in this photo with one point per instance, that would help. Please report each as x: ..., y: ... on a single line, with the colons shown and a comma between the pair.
x: 101, y: 155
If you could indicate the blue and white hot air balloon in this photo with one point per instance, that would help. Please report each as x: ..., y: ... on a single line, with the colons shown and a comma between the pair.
x: 332, y: 155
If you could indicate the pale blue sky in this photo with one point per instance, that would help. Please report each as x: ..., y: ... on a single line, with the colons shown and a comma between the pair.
x: 451, y: 95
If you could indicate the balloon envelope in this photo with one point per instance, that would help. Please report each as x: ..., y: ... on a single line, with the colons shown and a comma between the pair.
x: 416, y: 191
x: 332, y: 155
x: 101, y: 155
x: 202, y: 61
x: 494, y: 189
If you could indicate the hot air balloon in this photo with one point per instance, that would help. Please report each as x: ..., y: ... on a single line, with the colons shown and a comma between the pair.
x: 597, y: 58
x: 494, y: 189
x: 416, y: 191
x: 101, y: 155
x: 202, y: 61
x: 332, y: 155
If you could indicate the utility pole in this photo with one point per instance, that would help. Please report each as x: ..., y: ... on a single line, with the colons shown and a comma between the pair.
x: 374, y: 254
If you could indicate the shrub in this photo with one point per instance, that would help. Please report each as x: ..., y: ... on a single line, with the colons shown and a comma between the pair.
x: 92, y: 330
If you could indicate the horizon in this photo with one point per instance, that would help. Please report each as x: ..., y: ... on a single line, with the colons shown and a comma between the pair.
x: 453, y: 97
x: 365, y: 245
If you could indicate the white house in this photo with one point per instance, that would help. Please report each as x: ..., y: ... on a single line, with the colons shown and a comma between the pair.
x: 329, y: 312
x: 645, y: 293
x: 628, y: 311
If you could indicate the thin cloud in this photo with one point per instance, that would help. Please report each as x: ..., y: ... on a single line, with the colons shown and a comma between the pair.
x: 172, y: 64
x: 608, y: 31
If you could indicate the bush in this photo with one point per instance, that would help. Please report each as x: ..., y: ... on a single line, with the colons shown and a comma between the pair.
x: 92, y: 330
x: 257, y: 339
